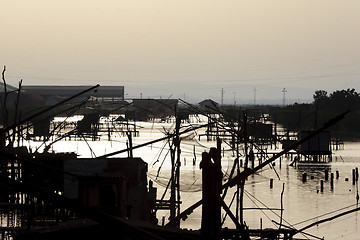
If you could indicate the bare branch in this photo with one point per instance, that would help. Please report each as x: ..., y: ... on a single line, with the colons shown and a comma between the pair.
x: 5, y: 110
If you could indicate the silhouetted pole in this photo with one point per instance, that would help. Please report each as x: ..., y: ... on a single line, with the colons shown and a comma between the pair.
x: 241, y: 185
x: 178, y: 163
x: 304, y: 176
x: 212, y: 184
x: 321, y: 185
x: 245, y: 141
x: 130, y: 154
x: 252, y: 158
x: 175, y: 176
x: 353, y: 176
x: 326, y: 175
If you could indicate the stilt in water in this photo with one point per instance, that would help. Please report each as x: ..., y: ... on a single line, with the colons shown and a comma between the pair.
x: 353, y: 176
x: 326, y: 175
x: 304, y: 176
x: 322, y: 185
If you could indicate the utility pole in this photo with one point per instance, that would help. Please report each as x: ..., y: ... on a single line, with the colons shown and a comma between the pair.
x: 222, y: 96
x: 284, y: 91
x: 254, y: 96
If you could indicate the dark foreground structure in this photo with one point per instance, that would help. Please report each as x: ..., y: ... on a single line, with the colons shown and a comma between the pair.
x: 60, y: 196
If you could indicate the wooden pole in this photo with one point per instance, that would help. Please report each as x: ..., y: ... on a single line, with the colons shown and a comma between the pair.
x: 353, y: 177
x: 172, y: 188
x: 322, y: 185
x: 241, y: 185
x: 211, y: 209
x: 326, y: 175
x: 178, y: 164
x: 304, y: 176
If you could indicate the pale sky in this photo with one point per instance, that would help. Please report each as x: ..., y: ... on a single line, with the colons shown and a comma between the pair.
x: 185, y: 48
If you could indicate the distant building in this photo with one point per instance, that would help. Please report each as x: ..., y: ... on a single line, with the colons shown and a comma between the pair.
x: 48, y: 92
x: 208, y: 103
x: 209, y: 106
x: 12, y: 97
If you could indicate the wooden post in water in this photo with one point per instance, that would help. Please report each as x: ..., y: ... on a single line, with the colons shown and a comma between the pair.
x: 172, y: 187
x: 194, y: 159
x: 252, y: 158
x: 246, y: 141
x: 178, y: 162
x: 353, y: 176
x: 326, y: 175
x: 337, y: 175
x: 322, y: 185
x: 304, y: 176
x: 280, y: 162
x: 271, y: 183
x: 130, y: 147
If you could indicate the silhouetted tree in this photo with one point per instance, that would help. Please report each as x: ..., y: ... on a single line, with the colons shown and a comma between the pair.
x: 345, y: 99
x: 324, y: 107
x: 320, y: 97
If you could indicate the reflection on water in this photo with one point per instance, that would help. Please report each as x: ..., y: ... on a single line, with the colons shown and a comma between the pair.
x: 304, y: 203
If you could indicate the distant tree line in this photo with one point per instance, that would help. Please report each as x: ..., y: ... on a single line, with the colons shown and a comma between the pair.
x: 324, y: 107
